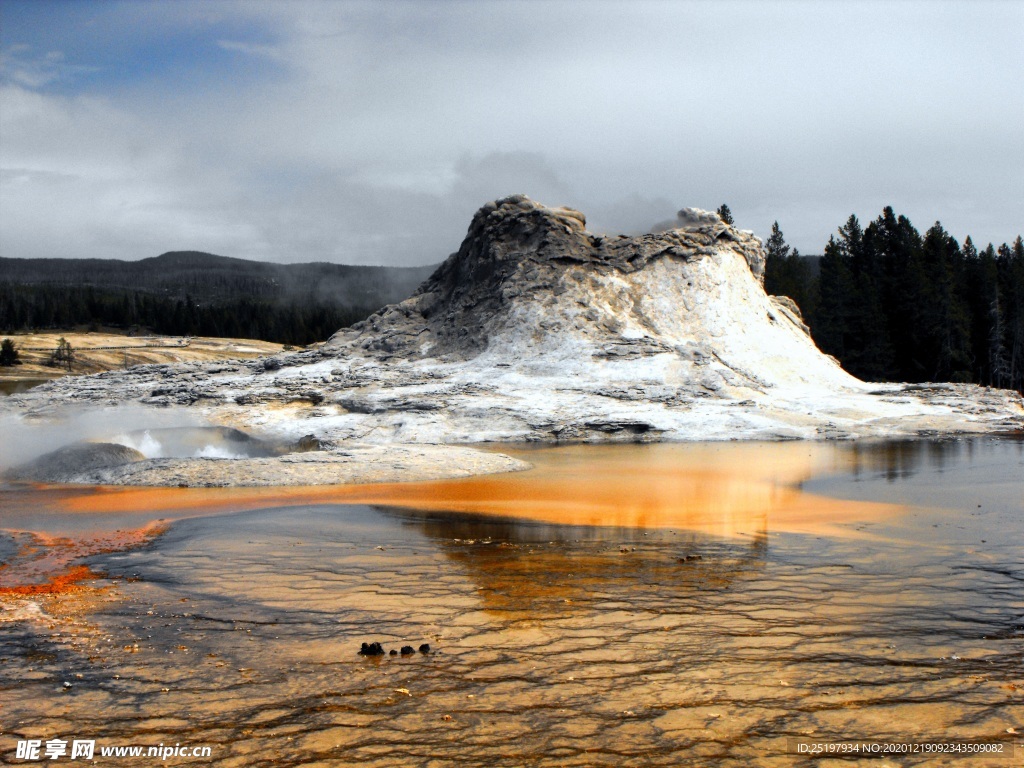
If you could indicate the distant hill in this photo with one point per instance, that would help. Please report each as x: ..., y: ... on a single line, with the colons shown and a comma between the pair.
x: 206, y: 278
x: 193, y: 293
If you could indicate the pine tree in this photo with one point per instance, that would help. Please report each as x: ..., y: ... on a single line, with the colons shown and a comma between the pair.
x: 775, y: 253
x: 868, y: 352
x: 8, y: 353
x: 999, y: 366
x: 835, y: 288
x: 1011, y: 267
x: 895, y: 248
x: 979, y: 290
x: 943, y: 316
x: 787, y: 273
x: 725, y: 214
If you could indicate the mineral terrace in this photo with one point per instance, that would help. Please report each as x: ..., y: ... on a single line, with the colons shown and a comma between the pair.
x: 539, y: 330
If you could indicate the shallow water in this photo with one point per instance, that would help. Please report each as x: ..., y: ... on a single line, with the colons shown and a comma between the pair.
x: 716, y: 618
x: 14, y: 386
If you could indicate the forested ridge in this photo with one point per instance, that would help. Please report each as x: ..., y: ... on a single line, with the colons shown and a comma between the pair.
x: 198, y: 294
x: 894, y: 305
x: 42, y: 307
x: 207, y: 277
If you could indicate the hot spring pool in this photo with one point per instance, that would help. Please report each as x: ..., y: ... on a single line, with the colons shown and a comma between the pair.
x: 729, y: 606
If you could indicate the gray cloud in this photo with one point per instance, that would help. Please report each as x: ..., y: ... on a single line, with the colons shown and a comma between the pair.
x: 379, y: 128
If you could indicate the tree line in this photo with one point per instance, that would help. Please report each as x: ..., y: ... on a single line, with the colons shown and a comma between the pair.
x: 894, y: 305
x: 208, y: 278
x: 49, y: 306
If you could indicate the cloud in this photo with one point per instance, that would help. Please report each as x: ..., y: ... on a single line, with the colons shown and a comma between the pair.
x: 82, y: 177
x: 367, y: 218
x: 251, y: 49
x: 371, y: 132
x: 22, y: 66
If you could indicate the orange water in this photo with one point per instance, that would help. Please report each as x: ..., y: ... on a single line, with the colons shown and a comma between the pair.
x: 716, y: 488
x: 633, y: 605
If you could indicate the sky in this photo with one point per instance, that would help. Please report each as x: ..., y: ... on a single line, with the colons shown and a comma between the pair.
x: 370, y: 132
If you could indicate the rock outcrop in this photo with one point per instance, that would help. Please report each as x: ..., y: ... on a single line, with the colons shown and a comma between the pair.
x: 537, y: 329
x: 532, y: 288
x: 67, y: 464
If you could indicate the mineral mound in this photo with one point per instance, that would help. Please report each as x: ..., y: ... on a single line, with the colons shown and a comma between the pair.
x: 537, y: 329
x: 531, y: 286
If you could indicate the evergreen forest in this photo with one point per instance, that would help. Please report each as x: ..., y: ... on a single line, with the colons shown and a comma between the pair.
x: 47, y: 306
x: 190, y: 293
x: 894, y: 305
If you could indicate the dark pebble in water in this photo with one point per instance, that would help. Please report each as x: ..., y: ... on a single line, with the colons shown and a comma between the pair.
x: 690, y: 558
x: 425, y: 648
x: 394, y: 652
x: 407, y: 649
x: 371, y: 649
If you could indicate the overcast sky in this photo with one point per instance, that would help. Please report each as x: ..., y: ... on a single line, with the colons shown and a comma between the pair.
x: 369, y: 133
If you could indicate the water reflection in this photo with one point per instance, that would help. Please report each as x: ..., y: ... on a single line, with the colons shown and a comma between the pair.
x: 900, y: 459
x: 962, y: 476
x: 14, y: 386
x: 535, y: 570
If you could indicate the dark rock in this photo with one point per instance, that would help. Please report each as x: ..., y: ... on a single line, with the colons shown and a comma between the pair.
x: 425, y: 648
x: 632, y: 349
x: 65, y: 464
x: 254, y: 398
x: 307, y: 396
x: 629, y: 427
x: 371, y: 649
x: 309, y: 443
x: 407, y: 649
x: 382, y: 405
x: 394, y: 652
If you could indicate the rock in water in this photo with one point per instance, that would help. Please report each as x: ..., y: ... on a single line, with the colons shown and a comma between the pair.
x: 68, y: 463
x: 537, y: 329
x: 371, y: 649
